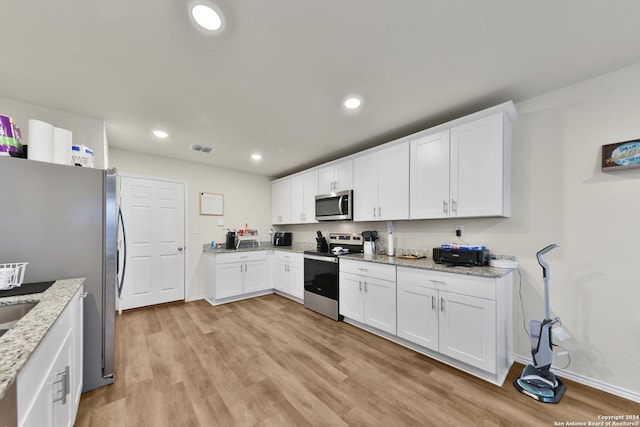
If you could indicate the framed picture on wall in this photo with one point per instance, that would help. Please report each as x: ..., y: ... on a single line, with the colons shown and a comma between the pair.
x: 621, y: 155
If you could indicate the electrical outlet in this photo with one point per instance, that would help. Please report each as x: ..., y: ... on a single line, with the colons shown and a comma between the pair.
x: 459, y: 230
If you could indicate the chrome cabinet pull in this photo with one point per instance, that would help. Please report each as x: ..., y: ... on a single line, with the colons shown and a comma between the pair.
x: 379, y: 212
x: 374, y: 211
x: 360, y: 286
x: 65, y: 385
x: 454, y: 206
x: 442, y: 304
x: 433, y: 302
x: 445, y: 207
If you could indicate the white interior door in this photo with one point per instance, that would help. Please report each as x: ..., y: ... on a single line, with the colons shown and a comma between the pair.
x: 154, y: 219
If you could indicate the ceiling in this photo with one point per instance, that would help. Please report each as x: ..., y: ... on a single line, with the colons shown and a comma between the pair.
x: 273, y: 79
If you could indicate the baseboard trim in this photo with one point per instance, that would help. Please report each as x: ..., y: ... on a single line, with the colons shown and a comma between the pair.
x: 597, y: 384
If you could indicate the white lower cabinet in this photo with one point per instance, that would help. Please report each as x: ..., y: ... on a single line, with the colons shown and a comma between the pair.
x: 368, y: 294
x: 465, y: 318
x: 289, y: 273
x: 240, y: 273
x: 48, y: 385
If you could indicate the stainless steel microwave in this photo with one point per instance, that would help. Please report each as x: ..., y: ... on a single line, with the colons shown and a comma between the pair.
x: 334, y: 206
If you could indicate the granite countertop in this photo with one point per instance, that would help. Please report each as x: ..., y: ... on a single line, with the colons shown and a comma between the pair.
x: 19, y: 342
x: 264, y: 246
x: 430, y: 264
x: 422, y: 263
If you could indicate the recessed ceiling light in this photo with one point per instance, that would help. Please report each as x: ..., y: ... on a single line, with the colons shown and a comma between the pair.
x: 206, y: 17
x: 256, y: 156
x: 160, y: 134
x: 352, y: 102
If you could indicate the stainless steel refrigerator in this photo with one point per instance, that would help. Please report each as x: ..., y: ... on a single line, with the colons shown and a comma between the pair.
x: 62, y: 221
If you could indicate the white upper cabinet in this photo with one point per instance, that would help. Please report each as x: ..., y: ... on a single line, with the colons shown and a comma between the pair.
x: 461, y: 168
x: 429, y: 176
x: 336, y: 177
x: 463, y: 171
x: 480, y: 168
x: 281, y: 201
x: 381, y: 184
x: 304, y: 188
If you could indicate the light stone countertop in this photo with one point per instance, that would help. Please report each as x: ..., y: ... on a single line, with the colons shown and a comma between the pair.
x: 19, y: 342
x: 421, y: 263
x: 430, y: 264
x: 264, y: 246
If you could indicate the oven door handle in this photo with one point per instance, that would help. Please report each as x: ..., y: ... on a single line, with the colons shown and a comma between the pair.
x: 321, y: 258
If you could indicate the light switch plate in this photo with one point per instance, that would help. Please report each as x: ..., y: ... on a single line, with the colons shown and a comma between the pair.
x: 220, y: 222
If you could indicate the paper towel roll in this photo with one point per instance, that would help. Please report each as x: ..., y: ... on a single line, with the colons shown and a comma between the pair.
x: 62, y: 146
x: 40, y: 141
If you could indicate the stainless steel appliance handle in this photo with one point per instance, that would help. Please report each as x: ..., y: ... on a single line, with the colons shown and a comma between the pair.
x: 321, y: 258
x: 340, y: 205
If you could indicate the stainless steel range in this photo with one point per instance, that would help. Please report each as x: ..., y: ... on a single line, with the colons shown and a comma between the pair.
x: 321, y: 277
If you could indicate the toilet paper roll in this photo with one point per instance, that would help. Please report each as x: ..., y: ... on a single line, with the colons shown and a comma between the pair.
x: 62, y: 141
x: 40, y: 141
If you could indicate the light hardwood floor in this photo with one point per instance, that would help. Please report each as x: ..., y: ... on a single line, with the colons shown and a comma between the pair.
x: 270, y: 362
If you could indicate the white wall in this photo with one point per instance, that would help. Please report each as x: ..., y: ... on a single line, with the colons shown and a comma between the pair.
x: 247, y: 200
x: 86, y: 130
x: 560, y: 195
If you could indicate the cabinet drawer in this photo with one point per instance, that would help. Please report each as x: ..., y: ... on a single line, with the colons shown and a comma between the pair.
x: 481, y: 287
x: 240, y: 256
x: 288, y: 257
x: 370, y: 269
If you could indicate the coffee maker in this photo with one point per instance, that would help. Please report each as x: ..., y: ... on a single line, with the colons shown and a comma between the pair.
x: 231, y: 240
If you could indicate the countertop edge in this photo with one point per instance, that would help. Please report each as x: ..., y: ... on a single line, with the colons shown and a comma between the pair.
x: 422, y: 263
x: 430, y: 264
x: 18, y: 343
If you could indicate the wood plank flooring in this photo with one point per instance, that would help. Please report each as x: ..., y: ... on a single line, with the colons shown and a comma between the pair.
x: 269, y: 361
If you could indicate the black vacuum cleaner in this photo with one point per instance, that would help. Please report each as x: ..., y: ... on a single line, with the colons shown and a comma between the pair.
x: 537, y: 381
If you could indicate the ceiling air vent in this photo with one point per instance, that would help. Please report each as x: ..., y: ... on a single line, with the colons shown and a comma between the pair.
x: 203, y: 148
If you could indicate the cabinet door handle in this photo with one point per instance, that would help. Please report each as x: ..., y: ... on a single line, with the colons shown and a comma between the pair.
x: 362, y: 269
x: 360, y: 286
x: 445, y: 207
x: 374, y: 211
x: 437, y: 282
x: 379, y: 212
x: 454, y: 206
x: 240, y: 268
x: 442, y: 304
x: 433, y: 302
x: 245, y: 267
x: 65, y: 385
x: 365, y: 286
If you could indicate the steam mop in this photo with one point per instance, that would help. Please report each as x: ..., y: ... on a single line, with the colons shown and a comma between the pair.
x: 537, y: 381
